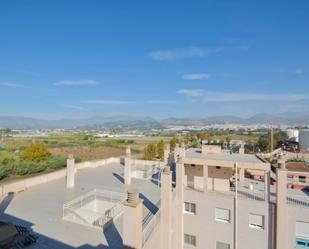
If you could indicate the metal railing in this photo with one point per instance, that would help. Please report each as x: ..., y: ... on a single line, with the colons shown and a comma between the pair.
x: 296, y: 200
x: 150, y: 225
x: 256, y: 195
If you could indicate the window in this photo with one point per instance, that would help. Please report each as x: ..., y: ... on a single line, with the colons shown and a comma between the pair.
x: 221, y: 245
x: 222, y: 215
x: 302, y: 179
x: 190, y: 208
x: 302, y: 243
x: 302, y: 234
x: 256, y: 221
x: 190, y: 239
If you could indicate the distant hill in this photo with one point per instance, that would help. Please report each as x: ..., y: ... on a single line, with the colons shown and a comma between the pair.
x: 116, y: 122
x: 297, y: 118
x: 145, y: 123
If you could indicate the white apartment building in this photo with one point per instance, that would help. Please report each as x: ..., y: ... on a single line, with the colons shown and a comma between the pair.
x: 216, y: 216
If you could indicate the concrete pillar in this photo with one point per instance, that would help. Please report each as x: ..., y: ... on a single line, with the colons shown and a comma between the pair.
x: 70, y: 172
x: 127, y: 166
x: 267, y: 185
x: 179, y: 224
x: 182, y: 150
x: 128, y: 151
x: 132, y: 234
x: 242, y: 149
x: 281, y: 210
x: 205, y: 174
x: 166, y: 154
x: 166, y: 209
x: 241, y: 174
x: 281, y: 163
x: 176, y: 153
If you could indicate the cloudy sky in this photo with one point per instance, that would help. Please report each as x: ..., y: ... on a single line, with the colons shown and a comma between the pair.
x: 153, y: 58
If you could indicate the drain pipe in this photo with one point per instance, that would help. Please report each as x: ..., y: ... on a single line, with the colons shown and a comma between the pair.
x: 235, y: 207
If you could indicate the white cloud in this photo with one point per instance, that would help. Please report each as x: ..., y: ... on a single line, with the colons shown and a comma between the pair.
x: 74, y: 107
x: 109, y: 102
x: 12, y: 85
x: 163, y: 102
x: 196, y: 76
x: 238, y: 97
x: 75, y: 83
x: 209, y: 96
x: 182, y: 53
x: 191, y: 92
x: 299, y: 71
x: 22, y: 86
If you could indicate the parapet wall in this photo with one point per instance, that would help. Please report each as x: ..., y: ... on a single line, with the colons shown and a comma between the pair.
x: 136, y: 162
x: 23, y: 184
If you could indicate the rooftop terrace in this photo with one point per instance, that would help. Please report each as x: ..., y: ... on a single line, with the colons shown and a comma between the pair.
x: 225, y: 155
x: 40, y: 209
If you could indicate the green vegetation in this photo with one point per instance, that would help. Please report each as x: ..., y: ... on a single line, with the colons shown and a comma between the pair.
x: 21, y: 157
x: 153, y: 151
x: 27, y: 156
x: 264, y: 141
x: 173, y: 143
x: 254, y: 142
x: 15, y: 166
x: 160, y: 149
x: 36, y: 152
x: 150, y: 152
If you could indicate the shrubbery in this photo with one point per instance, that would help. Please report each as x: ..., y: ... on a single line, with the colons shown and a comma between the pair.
x: 36, y: 152
x: 10, y: 166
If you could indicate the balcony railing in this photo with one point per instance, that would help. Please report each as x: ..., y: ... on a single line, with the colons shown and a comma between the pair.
x: 297, y: 200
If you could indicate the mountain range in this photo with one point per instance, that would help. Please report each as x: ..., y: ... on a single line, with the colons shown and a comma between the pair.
x: 146, y: 123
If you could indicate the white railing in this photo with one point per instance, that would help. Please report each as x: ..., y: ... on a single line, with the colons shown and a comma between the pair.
x: 108, y: 216
x: 82, y: 210
x: 256, y: 195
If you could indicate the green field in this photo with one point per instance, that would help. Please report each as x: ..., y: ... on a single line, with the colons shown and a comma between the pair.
x: 83, y: 147
x: 86, y: 147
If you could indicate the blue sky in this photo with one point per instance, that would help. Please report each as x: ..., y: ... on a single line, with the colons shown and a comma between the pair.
x: 153, y: 58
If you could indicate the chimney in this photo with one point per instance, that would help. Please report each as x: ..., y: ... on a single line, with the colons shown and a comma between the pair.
x: 133, y: 221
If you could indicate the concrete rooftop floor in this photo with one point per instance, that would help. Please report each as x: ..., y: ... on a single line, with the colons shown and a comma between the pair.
x: 40, y: 209
x: 225, y: 155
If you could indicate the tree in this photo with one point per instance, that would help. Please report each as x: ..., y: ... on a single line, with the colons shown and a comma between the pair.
x: 195, y: 142
x: 36, y: 152
x: 150, y: 152
x: 186, y: 139
x: 173, y: 143
x: 264, y: 143
x: 280, y: 138
x: 160, y: 149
